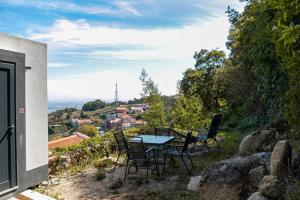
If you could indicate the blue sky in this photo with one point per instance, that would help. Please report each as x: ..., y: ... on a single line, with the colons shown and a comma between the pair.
x: 93, y: 44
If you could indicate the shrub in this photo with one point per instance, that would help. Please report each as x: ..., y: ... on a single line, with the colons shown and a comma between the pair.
x: 100, y: 175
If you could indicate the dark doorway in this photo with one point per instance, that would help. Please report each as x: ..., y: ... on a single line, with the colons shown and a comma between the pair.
x: 7, y: 126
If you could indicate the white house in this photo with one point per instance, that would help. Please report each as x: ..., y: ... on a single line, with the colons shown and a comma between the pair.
x: 23, y: 114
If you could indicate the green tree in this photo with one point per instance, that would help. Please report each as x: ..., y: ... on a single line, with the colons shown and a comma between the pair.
x: 188, y: 113
x: 155, y: 116
x: 287, y: 37
x: 93, y: 105
x: 200, y: 82
x: 255, y: 62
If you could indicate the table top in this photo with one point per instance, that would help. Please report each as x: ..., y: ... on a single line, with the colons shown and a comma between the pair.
x: 153, y: 139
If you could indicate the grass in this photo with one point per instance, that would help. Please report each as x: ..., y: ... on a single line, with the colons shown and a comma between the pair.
x: 229, y: 147
x: 100, y: 175
x: 103, y: 163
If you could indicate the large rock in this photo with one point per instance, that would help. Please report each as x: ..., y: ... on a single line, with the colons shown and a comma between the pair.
x: 259, y: 141
x: 194, y: 183
x: 255, y: 175
x: 220, y: 191
x: 281, y: 158
x: 257, y: 196
x: 228, y: 179
x: 236, y: 169
x: 272, y: 187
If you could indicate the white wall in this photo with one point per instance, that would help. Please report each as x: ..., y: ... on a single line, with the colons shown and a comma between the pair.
x: 36, y: 97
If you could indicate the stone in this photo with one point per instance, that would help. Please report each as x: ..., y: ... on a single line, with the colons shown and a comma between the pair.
x: 45, y: 183
x: 255, y: 175
x: 194, y: 183
x: 55, y: 181
x: 281, y: 158
x: 257, y: 196
x: 259, y: 141
x: 235, y: 170
x: 272, y: 187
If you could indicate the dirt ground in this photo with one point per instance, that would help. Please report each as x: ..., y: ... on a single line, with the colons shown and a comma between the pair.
x: 82, y: 186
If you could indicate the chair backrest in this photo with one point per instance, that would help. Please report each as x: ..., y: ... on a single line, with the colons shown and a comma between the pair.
x: 121, y: 141
x: 136, y: 149
x: 162, y: 131
x: 188, y: 140
x: 214, y: 126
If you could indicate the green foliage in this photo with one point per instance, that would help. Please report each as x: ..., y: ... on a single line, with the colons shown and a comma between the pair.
x: 287, y: 37
x: 200, y: 82
x: 101, y: 174
x: 187, y: 113
x: 93, y: 105
x: 88, y: 130
x: 103, y: 163
x: 155, y: 116
x: 83, y: 115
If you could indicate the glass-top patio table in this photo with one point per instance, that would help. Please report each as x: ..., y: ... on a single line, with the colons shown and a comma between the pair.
x: 153, y: 139
x: 156, y: 140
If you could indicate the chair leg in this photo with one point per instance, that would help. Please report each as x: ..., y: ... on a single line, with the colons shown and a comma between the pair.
x: 156, y: 164
x: 116, y: 163
x: 148, y: 164
x: 126, y: 168
x: 215, y: 139
x: 193, y: 147
x: 185, y: 165
x: 165, y: 160
x: 189, y: 157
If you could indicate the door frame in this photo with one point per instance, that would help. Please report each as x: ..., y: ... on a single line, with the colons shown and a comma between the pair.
x: 20, y: 125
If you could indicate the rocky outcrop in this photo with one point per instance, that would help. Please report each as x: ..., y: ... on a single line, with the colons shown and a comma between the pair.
x: 281, y: 158
x: 230, y: 177
x: 255, y: 175
x: 260, y: 141
x: 257, y: 196
x: 236, y: 169
x: 272, y: 187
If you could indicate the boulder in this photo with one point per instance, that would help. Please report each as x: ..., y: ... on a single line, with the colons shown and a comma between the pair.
x: 194, y: 183
x: 236, y: 169
x: 257, y: 196
x: 281, y: 158
x: 220, y: 191
x: 272, y: 187
x: 259, y: 141
x: 255, y: 175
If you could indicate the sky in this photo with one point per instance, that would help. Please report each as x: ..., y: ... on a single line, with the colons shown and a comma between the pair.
x: 94, y: 44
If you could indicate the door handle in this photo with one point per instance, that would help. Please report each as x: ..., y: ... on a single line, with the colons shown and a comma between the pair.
x: 11, y: 128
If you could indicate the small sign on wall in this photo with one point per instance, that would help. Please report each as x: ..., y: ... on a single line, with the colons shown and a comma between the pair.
x: 21, y: 110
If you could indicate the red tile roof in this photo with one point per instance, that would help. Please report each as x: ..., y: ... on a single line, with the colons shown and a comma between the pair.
x: 67, y: 141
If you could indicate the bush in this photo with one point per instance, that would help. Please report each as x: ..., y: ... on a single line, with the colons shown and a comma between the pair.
x: 94, y: 148
x: 93, y: 105
x: 100, y: 174
x: 88, y: 130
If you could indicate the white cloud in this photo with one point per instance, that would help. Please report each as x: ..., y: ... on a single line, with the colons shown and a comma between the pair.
x: 171, y: 48
x: 58, y: 65
x: 167, y: 43
x: 120, y: 8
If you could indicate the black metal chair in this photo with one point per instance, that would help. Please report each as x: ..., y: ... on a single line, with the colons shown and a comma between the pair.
x: 180, y: 151
x: 140, y: 157
x: 208, y: 135
x: 121, y: 145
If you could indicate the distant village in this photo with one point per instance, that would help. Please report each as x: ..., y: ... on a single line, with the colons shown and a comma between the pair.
x: 122, y: 118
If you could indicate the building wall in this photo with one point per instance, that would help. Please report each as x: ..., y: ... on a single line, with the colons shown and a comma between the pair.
x: 36, y: 108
